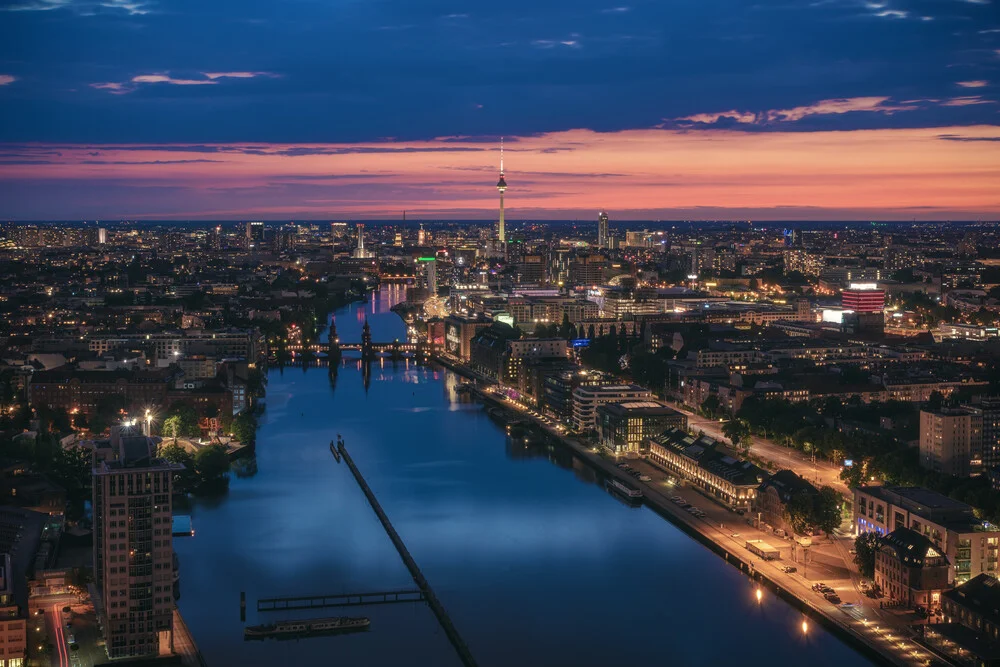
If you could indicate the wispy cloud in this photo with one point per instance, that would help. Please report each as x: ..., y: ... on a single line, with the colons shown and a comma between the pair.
x: 131, y: 7
x: 615, y: 10
x: 210, y: 79
x: 973, y: 84
x: 7, y: 79
x: 821, y: 108
x: 965, y: 101
x: 166, y: 78
x: 238, y: 75
x: 882, y: 10
x: 553, y: 43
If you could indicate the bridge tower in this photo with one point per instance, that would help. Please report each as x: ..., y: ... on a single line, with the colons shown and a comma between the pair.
x: 333, y: 351
x: 367, y: 352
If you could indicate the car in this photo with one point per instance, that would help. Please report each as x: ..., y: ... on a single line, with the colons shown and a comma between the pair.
x: 645, y: 478
x: 788, y: 569
x: 832, y: 598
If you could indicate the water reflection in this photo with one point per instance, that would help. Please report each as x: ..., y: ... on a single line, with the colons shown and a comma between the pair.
x: 534, y: 567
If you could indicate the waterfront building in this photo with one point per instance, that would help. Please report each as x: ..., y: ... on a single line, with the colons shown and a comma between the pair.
x: 776, y: 495
x: 459, y: 331
x: 133, y: 548
x: 708, y: 464
x: 951, y: 441
x: 625, y: 428
x: 168, y: 346
x: 970, y: 544
x: 587, y: 398
x: 557, y: 390
x: 911, y: 570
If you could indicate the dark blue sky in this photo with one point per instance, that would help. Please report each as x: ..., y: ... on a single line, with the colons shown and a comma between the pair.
x: 110, y: 71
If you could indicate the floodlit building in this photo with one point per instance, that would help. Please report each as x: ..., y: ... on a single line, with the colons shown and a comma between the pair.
x: 911, y: 570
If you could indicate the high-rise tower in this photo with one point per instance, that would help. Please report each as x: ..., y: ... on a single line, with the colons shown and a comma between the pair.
x: 602, y: 230
x: 501, y: 188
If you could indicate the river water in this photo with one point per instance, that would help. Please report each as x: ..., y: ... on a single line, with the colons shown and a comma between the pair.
x: 535, y: 562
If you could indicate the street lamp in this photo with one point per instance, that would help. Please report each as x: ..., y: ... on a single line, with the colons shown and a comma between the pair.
x: 149, y: 419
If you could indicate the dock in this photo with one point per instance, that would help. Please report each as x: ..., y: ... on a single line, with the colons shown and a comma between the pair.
x: 345, y: 600
x: 432, y: 600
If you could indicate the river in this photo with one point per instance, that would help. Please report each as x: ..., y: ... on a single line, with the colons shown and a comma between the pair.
x: 535, y: 562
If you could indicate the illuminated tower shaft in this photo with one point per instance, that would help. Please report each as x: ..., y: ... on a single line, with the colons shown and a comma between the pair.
x: 501, y: 188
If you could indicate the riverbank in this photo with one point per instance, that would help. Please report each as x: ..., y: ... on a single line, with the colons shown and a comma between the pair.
x: 851, y: 624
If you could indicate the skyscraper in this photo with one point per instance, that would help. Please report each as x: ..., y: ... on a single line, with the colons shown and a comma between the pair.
x: 255, y: 233
x: 501, y: 188
x: 133, y: 548
x: 360, y: 252
x: 602, y: 230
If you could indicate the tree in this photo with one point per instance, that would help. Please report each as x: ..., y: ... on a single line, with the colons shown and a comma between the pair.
x: 187, y: 424
x: 244, y: 429
x: 800, y: 511
x: 186, y: 478
x: 212, y: 463
x: 738, y: 432
x: 711, y: 406
x: 826, y: 509
x: 591, y: 334
x: 935, y: 401
x: 566, y: 329
x: 172, y: 427
x: 866, y: 545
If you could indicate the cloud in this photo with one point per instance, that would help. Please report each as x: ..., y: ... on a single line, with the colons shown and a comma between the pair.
x: 238, y: 75
x: 837, y: 106
x: 166, y: 78
x: 959, y: 137
x: 131, y: 7
x: 881, y: 9
x: 615, y: 10
x: 821, y: 108
x: 552, y: 43
x: 211, y: 79
x: 709, y: 118
x: 973, y: 84
x: 966, y: 101
x: 7, y: 79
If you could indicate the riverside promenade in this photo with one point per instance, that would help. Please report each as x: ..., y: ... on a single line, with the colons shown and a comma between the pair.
x: 878, y: 635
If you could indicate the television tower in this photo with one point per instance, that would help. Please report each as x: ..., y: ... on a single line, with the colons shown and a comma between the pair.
x: 501, y: 188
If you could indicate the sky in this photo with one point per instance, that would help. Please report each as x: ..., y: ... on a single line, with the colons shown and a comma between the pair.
x: 352, y: 109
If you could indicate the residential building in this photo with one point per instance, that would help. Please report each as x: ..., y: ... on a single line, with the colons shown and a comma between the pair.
x: 970, y: 544
x: 951, y: 441
x: 863, y: 298
x: 911, y: 570
x: 13, y: 617
x: 133, y: 548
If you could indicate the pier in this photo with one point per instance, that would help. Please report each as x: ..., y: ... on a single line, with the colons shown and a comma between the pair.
x: 442, y: 616
x: 344, y: 600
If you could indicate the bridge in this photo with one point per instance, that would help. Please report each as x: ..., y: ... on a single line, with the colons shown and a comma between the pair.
x: 378, y: 348
x: 339, y: 600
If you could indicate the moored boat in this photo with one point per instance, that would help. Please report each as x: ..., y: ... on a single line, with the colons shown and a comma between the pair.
x: 314, y: 626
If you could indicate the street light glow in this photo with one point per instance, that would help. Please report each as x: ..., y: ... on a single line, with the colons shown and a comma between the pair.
x: 805, y: 627
x: 760, y: 595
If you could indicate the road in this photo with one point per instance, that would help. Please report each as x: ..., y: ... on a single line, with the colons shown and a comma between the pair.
x: 819, y: 472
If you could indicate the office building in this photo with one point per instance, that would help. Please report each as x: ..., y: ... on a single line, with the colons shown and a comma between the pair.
x: 254, y: 234
x: 133, y: 548
x: 989, y: 411
x: 625, y: 428
x: 951, y: 441
x: 587, y: 398
x: 863, y: 298
x: 426, y: 275
x: 602, y: 230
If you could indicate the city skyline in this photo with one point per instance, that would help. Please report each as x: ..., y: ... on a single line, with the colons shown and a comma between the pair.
x: 833, y: 110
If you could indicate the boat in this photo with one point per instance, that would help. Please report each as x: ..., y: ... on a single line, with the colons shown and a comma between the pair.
x: 313, y: 626
x: 624, y: 488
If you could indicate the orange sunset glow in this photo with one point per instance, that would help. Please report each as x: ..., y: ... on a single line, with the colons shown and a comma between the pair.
x: 881, y: 174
